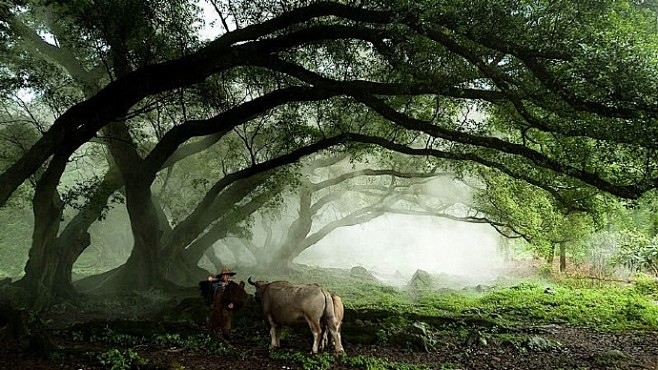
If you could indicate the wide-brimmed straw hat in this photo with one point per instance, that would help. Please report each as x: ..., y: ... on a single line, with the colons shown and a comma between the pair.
x: 227, y: 271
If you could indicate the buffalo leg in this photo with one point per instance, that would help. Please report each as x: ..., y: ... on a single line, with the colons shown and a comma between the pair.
x: 274, y: 332
x: 316, y: 329
x: 334, y: 330
x: 275, y: 337
x: 324, y: 339
x: 338, y: 344
x: 335, y: 334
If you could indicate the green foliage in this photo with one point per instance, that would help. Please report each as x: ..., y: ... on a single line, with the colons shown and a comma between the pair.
x: 577, y: 303
x: 545, y: 271
x: 374, y: 363
x: 580, y: 79
x: 398, y: 331
x: 203, y: 342
x: 491, y: 315
x: 638, y: 252
x: 391, y: 326
x: 611, y: 308
x: 445, y: 303
x: 570, y: 302
x: 115, y: 359
x: 375, y: 295
x: 109, y: 335
x: 542, y: 218
x: 117, y: 336
x: 646, y: 285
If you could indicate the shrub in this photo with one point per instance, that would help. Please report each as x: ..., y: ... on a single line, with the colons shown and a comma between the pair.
x: 646, y: 285
x: 118, y: 360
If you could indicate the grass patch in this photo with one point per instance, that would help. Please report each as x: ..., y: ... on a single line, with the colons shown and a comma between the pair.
x: 610, y: 307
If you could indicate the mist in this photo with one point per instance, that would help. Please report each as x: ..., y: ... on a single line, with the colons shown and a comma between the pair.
x: 396, y: 246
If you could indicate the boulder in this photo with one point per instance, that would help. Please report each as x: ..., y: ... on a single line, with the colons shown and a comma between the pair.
x: 360, y: 272
x: 420, y: 280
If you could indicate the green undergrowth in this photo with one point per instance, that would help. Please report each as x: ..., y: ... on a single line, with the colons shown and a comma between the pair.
x: 567, y: 301
x: 415, y: 320
x: 115, y: 359
x: 610, y: 307
x: 141, y: 334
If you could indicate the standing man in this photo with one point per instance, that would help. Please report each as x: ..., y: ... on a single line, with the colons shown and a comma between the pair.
x: 221, y: 282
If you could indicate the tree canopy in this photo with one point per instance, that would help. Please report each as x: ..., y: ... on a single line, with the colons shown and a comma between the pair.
x: 568, y: 88
x: 560, y: 95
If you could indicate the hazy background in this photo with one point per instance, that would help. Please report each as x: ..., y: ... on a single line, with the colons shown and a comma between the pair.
x: 395, y: 245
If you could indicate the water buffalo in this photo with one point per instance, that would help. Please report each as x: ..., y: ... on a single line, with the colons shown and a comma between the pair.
x: 339, y: 313
x: 223, y: 302
x: 285, y: 304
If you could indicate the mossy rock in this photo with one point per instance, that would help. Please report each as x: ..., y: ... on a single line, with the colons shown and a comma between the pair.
x: 410, y: 341
x: 420, y: 280
x: 361, y: 273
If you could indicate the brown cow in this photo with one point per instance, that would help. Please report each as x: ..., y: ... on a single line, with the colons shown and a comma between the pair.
x: 339, y: 313
x: 224, y: 301
x: 286, y: 304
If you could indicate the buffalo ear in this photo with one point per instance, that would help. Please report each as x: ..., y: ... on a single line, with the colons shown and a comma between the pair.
x: 241, y: 284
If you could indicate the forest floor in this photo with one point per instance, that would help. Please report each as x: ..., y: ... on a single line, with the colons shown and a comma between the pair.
x: 582, y: 349
x: 84, y: 340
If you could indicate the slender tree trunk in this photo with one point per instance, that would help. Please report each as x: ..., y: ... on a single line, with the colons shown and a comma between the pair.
x: 563, y: 257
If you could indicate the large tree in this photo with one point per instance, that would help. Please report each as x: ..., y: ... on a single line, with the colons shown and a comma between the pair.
x: 78, y: 30
x: 562, y: 92
x: 538, y: 78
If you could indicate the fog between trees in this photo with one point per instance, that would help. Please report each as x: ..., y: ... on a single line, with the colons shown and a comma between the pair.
x: 330, y: 114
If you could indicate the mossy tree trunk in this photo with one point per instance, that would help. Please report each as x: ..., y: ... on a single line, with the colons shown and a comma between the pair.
x: 40, y: 270
x: 144, y: 266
